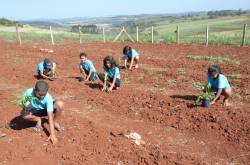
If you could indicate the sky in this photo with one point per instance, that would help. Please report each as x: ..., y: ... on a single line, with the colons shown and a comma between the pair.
x: 47, y: 9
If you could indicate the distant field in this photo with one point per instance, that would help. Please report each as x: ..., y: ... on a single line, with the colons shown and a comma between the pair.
x: 225, y: 30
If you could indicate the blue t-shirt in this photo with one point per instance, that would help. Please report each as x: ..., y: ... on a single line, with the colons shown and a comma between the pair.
x: 88, y: 65
x: 114, y: 71
x: 40, y: 67
x: 134, y: 53
x: 39, y: 104
x: 219, y: 83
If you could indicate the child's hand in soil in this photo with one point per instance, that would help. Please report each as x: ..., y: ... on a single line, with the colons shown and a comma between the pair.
x: 103, y: 89
x: 110, y: 89
x: 212, y: 102
x: 53, y: 139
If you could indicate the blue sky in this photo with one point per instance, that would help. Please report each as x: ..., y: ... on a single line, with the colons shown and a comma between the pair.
x: 32, y: 9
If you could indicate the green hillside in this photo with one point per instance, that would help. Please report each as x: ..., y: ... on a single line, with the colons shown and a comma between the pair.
x: 222, y: 30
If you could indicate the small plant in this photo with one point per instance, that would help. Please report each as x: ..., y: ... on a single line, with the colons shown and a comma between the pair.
x: 218, y: 59
x: 206, y: 94
x: 19, y: 97
x: 172, y: 82
x: 235, y: 76
x: 24, y: 102
x: 162, y: 90
x: 237, y: 63
x: 53, y: 75
x: 15, y: 59
x: 181, y: 71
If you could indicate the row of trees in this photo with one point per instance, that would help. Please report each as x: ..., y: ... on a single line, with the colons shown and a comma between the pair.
x: 91, y: 29
x: 227, y: 13
x: 6, y: 22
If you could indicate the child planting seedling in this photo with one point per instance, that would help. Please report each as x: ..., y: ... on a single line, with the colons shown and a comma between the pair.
x: 47, y: 69
x: 37, y: 103
x: 216, y: 85
x: 219, y: 84
x: 87, y: 69
x: 130, y: 55
x: 111, y: 78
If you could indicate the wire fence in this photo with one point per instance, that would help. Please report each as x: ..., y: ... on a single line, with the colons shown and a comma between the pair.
x: 189, y: 34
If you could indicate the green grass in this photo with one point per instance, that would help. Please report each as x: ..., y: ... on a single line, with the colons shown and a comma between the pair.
x: 218, y: 59
x: 223, y: 30
x: 235, y: 76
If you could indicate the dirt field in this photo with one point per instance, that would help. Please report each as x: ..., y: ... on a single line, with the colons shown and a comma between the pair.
x: 154, y: 101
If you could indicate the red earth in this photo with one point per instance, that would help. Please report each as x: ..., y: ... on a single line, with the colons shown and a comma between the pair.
x: 155, y: 101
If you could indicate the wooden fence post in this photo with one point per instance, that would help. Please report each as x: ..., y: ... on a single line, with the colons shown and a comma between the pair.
x: 244, y: 35
x: 51, y: 35
x: 80, y: 34
x: 207, y: 29
x: 137, y: 34
x: 152, y: 34
x: 18, y: 35
x: 104, y: 36
x: 177, y: 34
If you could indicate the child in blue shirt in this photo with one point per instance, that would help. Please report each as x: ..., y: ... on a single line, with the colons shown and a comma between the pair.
x: 36, y: 103
x: 219, y: 84
x: 130, y: 55
x: 46, y: 69
x: 111, y: 77
x: 87, y: 69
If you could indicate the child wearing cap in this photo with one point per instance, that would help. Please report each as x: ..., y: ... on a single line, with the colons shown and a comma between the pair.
x: 46, y: 69
x: 37, y: 103
x: 87, y: 69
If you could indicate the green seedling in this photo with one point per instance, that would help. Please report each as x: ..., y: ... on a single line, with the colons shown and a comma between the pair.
x: 53, y: 75
x: 19, y: 97
x: 172, y: 82
x: 206, y: 92
x: 235, y: 76
x: 181, y: 71
x: 237, y: 63
x: 162, y: 90
x: 25, y: 101
x: 218, y: 59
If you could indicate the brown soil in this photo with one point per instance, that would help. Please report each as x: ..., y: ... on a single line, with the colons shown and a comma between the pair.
x: 154, y: 101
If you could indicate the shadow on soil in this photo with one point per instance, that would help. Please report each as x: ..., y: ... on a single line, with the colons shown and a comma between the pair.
x: 94, y: 85
x: 185, y: 97
x: 18, y: 123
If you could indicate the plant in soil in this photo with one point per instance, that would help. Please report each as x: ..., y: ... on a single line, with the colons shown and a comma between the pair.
x: 53, y: 75
x: 205, y: 93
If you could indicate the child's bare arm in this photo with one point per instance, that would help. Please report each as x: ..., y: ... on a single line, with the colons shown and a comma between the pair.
x: 52, y: 136
x: 217, y: 95
x: 131, y: 63
x: 54, y: 66
x: 45, y: 76
x: 112, y: 84
x: 88, y: 76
